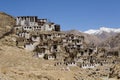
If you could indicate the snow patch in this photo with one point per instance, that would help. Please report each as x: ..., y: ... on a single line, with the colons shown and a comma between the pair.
x: 103, y: 29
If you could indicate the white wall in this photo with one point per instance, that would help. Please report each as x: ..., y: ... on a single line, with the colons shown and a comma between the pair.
x: 41, y: 55
x: 87, y: 66
x: 37, y: 39
x: 72, y: 64
x: 48, y: 28
x: 29, y: 47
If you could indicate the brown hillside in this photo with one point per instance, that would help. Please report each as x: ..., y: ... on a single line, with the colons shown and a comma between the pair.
x: 112, y: 42
x: 6, y: 23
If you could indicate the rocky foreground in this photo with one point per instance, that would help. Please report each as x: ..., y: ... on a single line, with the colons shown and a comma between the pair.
x: 18, y: 64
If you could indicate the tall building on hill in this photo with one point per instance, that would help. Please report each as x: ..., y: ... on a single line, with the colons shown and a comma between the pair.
x: 32, y: 23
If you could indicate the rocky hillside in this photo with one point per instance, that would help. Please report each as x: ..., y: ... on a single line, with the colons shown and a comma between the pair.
x: 88, y: 38
x: 115, y: 71
x: 112, y: 42
x: 6, y: 23
x: 19, y: 64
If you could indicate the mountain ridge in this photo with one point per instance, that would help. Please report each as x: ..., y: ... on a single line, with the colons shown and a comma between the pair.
x: 103, y: 33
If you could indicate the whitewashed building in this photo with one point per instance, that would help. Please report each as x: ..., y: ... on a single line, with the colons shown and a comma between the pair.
x: 32, y: 23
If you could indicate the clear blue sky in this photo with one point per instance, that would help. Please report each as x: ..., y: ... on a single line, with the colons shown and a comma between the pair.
x: 70, y: 14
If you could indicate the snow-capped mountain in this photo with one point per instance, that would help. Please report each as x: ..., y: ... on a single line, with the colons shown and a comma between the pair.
x: 103, y: 33
x: 103, y: 30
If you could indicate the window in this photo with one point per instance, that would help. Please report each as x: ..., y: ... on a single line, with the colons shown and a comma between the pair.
x: 16, y: 28
x: 49, y: 26
x: 55, y: 46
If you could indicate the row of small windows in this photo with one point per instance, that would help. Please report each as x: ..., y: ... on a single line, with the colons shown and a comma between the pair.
x: 31, y: 27
x: 35, y: 27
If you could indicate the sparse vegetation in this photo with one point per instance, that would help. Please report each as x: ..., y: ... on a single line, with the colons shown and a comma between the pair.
x: 60, y: 61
